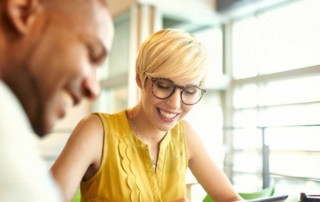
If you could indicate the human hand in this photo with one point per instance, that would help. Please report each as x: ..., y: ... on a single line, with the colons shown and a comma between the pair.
x: 181, y: 200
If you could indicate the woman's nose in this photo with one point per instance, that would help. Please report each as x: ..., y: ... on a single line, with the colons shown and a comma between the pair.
x: 174, y: 101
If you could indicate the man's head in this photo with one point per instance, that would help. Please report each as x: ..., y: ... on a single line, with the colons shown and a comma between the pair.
x: 49, y: 50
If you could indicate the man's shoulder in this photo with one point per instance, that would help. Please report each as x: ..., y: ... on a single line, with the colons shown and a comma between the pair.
x: 12, y: 116
x: 24, y: 174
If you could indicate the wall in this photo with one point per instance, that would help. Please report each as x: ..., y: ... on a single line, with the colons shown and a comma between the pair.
x: 196, y: 11
x: 190, y: 10
x: 117, y: 7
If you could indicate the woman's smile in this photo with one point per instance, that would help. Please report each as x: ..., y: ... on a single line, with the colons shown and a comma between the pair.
x: 167, y: 115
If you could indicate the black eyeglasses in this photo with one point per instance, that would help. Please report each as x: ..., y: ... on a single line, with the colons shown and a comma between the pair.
x: 164, y: 88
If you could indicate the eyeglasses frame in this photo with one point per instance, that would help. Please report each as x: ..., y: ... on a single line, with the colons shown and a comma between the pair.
x: 175, y: 86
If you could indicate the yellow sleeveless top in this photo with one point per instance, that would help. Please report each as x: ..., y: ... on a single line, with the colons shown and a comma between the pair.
x: 126, y: 172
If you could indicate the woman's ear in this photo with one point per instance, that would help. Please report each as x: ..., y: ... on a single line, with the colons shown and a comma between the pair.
x: 21, y: 14
x: 138, y: 80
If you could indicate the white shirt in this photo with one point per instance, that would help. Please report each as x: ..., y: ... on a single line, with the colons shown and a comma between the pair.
x: 23, y: 174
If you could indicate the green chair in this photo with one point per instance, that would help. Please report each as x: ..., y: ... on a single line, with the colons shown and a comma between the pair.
x: 258, y: 194
x: 248, y: 196
x: 77, y: 196
x: 207, y: 199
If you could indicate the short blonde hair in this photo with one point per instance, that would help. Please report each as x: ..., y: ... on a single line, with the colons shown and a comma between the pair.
x: 172, y: 53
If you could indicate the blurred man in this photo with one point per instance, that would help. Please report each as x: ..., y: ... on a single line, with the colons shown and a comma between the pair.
x: 49, y: 52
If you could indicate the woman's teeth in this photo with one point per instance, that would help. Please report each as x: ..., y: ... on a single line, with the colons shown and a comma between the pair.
x: 167, y: 115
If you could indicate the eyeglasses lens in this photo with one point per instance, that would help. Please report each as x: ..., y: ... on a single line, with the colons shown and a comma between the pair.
x: 164, y: 89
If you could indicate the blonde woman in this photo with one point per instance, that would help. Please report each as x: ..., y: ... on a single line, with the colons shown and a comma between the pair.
x: 142, y: 153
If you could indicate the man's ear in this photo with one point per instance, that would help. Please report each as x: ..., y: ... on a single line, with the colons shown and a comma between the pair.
x: 138, y: 80
x: 22, y: 13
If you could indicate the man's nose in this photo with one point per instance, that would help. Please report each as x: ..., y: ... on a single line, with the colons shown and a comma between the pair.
x: 91, y: 87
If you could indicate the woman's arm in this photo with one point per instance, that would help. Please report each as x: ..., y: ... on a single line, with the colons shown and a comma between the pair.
x: 81, y: 157
x: 207, y: 173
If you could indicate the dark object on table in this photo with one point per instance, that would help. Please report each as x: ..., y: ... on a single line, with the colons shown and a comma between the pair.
x: 276, y: 198
x: 309, y: 198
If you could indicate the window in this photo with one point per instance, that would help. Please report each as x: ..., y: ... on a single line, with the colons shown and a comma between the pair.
x: 276, y: 100
x: 281, y: 39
